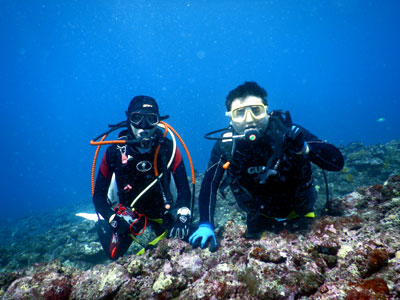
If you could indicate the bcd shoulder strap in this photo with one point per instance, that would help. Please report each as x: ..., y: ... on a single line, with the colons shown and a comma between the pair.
x: 280, y: 122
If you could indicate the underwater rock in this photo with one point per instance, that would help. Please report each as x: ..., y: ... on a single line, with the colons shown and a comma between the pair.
x: 41, y: 281
x: 345, y: 257
x: 364, y: 166
x: 353, y: 254
x: 339, y: 258
x: 101, y: 282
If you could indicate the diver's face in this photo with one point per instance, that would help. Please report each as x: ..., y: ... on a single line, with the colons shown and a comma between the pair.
x: 144, y: 136
x: 249, y: 112
x: 143, y: 125
x: 142, y: 133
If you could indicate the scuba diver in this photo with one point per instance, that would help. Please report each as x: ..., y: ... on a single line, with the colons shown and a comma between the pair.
x: 133, y: 184
x: 267, y: 162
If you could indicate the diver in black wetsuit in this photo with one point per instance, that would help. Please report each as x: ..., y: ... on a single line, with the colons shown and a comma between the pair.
x: 142, y: 198
x: 267, y: 159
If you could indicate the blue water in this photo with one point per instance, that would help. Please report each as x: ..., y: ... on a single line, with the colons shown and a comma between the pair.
x: 70, y: 68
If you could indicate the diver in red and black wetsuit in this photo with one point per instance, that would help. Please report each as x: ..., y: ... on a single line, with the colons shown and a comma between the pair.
x: 128, y: 196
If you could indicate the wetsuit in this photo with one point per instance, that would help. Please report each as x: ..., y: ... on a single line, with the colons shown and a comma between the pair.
x: 134, y: 173
x: 289, y: 189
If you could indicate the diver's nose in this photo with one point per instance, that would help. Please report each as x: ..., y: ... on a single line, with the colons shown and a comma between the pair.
x: 248, y: 117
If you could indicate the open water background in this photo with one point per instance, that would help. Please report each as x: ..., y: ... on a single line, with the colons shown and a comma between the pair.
x: 70, y: 68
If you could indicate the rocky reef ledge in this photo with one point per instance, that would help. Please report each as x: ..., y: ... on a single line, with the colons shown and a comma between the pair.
x: 355, y: 255
x: 352, y: 254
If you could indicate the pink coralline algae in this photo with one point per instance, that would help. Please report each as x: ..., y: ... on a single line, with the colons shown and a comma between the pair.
x: 46, y: 281
x: 352, y: 256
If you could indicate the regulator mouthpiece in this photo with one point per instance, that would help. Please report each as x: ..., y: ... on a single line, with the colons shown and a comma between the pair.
x: 251, y: 134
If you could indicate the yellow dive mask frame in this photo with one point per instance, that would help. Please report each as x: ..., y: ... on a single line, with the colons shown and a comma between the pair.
x: 239, y: 114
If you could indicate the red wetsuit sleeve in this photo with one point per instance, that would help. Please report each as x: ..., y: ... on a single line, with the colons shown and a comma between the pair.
x: 181, y: 180
x: 177, y: 159
x: 104, y: 168
x: 103, y: 181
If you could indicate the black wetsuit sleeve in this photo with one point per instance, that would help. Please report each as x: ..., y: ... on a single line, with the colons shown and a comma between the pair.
x: 323, y: 154
x: 181, y: 181
x: 103, y: 180
x: 210, y: 184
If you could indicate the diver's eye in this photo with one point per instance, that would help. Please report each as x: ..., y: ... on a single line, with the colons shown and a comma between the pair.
x: 239, y: 112
x: 136, y: 118
x: 152, y: 118
x: 257, y: 110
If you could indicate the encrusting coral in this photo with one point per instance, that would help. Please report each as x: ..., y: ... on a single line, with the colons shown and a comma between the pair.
x: 352, y: 254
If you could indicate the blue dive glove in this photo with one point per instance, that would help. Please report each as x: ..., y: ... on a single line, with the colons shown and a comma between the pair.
x: 203, y: 235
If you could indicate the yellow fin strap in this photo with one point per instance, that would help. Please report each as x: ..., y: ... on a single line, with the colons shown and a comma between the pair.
x: 158, y: 221
x: 292, y: 215
x: 141, y: 252
x: 159, y: 238
x: 310, y: 215
x: 152, y: 243
x: 135, y: 239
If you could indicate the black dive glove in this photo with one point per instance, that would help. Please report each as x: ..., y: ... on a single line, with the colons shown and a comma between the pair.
x: 180, y: 229
x: 126, y: 221
x: 295, y: 142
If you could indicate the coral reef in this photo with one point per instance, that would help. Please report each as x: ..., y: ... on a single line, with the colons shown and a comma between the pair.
x: 352, y: 254
x: 364, y: 166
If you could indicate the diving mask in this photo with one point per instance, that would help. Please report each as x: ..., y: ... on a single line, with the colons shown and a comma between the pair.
x: 256, y: 111
x: 144, y: 120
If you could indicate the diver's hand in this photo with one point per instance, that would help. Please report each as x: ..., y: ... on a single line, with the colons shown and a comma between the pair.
x: 203, y: 235
x: 180, y: 229
x: 125, y: 220
x: 119, y: 225
x: 295, y: 141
